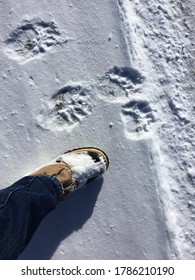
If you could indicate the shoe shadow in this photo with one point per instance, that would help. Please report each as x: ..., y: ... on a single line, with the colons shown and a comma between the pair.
x: 69, y: 216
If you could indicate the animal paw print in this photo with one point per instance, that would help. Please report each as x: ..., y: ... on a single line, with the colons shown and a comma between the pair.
x: 67, y: 108
x: 119, y: 83
x: 32, y: 38
x: 138, y: 118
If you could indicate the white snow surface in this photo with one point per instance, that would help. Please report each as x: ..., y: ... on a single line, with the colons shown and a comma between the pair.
x: 117, y: 75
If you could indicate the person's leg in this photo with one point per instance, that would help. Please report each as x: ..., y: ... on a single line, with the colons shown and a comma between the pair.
x: 24, y: 204
x: 22, y: 207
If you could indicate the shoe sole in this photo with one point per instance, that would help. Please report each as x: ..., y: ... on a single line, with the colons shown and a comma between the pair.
x: 91, y: 150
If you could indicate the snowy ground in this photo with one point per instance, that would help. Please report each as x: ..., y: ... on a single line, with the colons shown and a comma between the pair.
x: 118, y: 75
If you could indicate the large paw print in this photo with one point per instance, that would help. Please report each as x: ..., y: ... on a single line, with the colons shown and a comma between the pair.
x: 32, y: 38
x: 67, y: 108
x: 138, y: 118
x: 119, y: 83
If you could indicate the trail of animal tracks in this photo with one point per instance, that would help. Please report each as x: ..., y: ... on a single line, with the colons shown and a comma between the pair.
x: 116, y: 75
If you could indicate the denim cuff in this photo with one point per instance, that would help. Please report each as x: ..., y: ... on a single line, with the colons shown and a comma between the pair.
x: 58, y: 185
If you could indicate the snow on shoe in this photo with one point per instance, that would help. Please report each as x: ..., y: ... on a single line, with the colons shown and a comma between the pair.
x: 86, y: 164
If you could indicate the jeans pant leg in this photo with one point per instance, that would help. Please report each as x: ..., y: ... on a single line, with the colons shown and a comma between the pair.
x: 23, y: 206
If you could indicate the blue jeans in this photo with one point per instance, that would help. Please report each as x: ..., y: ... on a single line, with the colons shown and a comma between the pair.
x: 23, y: 206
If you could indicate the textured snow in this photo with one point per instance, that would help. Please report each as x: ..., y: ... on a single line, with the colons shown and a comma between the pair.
x: 118, y: 75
